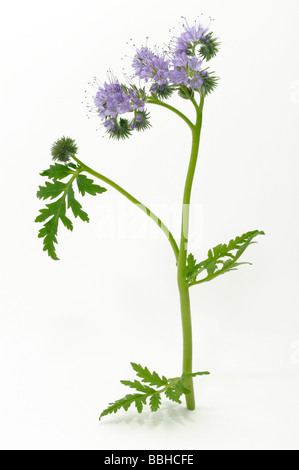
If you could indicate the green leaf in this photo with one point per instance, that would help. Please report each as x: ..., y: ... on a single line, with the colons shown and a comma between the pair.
x: 180, y: 389
x: 55, y: 208
x: 59, y: 171
x: 191, y: 261
x: 75, y: 205
x: 56, y: 211
x: 124, y: 403
x: 49, y: 230
x: 139, y: 402
x: 138, y: 386
x: 147, y: 376
x: 194, y: 374
x: 50, y: 190
x: 191, y: 272
x: 221, y: 259
x: 172, y: 388
x: 86, y: 185
x: 172, y: 395
x: 66, y: 222
x: 155, y: 402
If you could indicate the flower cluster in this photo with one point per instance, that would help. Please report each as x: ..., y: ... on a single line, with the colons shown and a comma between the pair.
x: 190, y: 37
x: 187, y: 70
x: 182, y: 69
x: 150, y: 66
x: 114, y: 99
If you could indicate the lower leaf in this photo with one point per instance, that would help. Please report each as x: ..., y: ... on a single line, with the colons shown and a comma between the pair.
x: 172, y: 388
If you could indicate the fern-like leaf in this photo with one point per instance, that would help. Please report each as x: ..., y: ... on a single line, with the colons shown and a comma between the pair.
x: 125, y: 403
x: 155, y: 402
x: 59, y: 171
x: 172, y: 395
x: 148, y: 377
x: 55, y: 212
x: 173, y: 389
x: 221, y: 259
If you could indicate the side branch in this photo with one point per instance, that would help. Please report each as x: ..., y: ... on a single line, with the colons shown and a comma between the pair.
x: 173, y: 109
x: 135, y: 201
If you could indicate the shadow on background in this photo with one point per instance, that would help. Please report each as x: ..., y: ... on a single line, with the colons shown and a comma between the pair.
x: 168, y: 415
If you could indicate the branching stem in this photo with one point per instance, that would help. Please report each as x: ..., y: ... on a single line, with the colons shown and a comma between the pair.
x: 180, y: 253
x: 174, y: 110
x: 135, y: 201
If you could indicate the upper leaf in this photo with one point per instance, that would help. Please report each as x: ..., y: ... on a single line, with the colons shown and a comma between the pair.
x: 50, y: 190
x: 221, y: 259
x: 56, y: 211
x: 59, y: 171
x: 86, y: 185
x: 75, y: 205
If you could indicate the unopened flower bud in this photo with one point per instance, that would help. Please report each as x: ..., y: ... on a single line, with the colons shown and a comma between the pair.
x: 63, y: 149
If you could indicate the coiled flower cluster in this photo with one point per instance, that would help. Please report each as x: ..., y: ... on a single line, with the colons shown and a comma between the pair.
x: 182, y: 70
x: 114, y: 99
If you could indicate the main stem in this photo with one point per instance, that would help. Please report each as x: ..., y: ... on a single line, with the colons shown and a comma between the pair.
x: 182, y: 260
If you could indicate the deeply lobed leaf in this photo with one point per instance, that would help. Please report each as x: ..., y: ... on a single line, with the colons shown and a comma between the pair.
x: 56, y: 211
x: 147, y: 376
x: 50, y: 190
x: 86, y: 185
x: 59, y: 171
x: 172, y: 388
x: 222, y: 258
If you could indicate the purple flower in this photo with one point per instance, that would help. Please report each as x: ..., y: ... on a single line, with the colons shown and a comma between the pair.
x: 114, y: 99
x: 183, y: 69
x: 149, y: 66
x: 179, y: 76
x: 187, y: 61
x: 190, y: 36
x: 194, y: 63
x: 110, y: 124
x: 142, y: 63
x: 187, y: 70
x: 196, y: 81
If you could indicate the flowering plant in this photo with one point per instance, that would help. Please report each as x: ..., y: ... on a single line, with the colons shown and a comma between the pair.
x: 123, y: 110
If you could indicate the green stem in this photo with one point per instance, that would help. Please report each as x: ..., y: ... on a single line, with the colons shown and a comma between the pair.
x: 134, y: 201
x: 182, y: 260
x: 174, y: 110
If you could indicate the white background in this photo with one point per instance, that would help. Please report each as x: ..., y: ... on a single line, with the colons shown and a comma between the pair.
x: 69, y: 329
